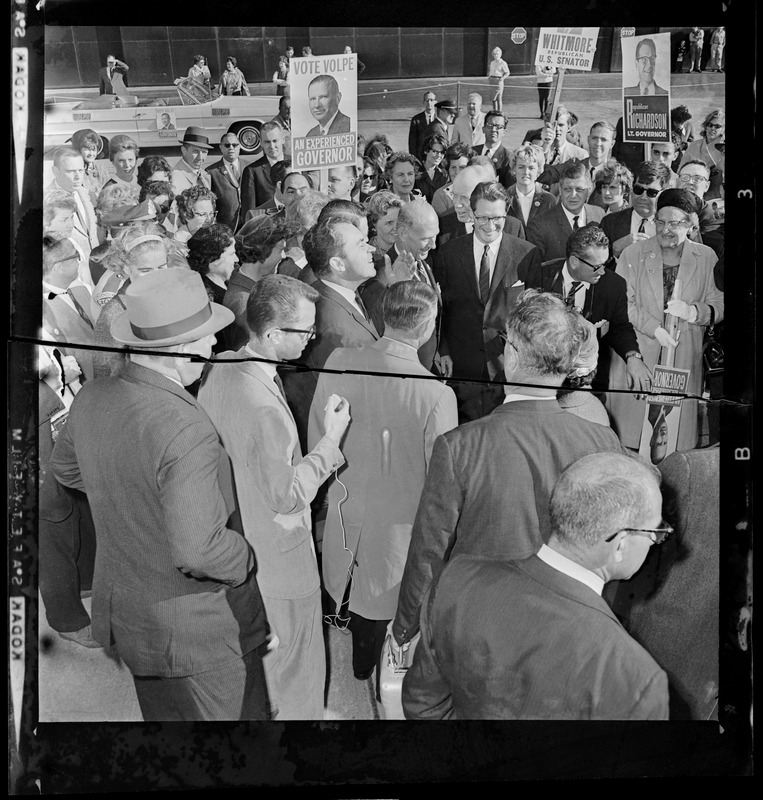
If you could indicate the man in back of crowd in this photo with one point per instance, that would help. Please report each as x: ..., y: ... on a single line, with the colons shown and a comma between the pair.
x: 226, y: 181
x: 419, y: 123
x: 189, y: 171
x: 257, y: 186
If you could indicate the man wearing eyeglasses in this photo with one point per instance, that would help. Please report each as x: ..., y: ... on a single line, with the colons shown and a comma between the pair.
x: 480, y: 277
x: 226, y: 181
x: 419, y: 123
x: 533, y: 638
x: 494, y: 129
x: 600, y: 295
x: 694, y: 175
x: 276, y: 484
x: 636, y: 224
x: 646, y: 59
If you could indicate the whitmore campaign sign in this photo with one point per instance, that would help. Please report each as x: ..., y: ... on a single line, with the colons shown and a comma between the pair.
x: 324, y: 111
x: 646, y: 88
x: 568, y: 48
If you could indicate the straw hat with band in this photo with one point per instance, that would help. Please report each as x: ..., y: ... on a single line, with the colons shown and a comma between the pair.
x: 168, y: 306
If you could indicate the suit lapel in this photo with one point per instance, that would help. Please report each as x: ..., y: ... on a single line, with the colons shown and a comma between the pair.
x: 334, y: 296
x: 256, y: 371
x: 503, y: 267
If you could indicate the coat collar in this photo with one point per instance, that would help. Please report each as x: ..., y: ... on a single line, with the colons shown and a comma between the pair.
x: 334, y: 296
x: 652, y: 254
x: 137, y: 373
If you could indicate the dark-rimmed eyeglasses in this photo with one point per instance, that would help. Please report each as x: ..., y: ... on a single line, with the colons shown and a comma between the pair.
x: 505, y: 339
x: 657, y: 535
x: 495, y: 220
x: 594, y: 267
x: 308, y: 334
x: 495, y: 127
x: 651, y: 193
x: 209, y: 216
x: 692, y: 178
x: 671, y: 224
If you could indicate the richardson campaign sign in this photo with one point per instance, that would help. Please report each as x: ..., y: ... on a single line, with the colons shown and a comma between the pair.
x: 567, y: 48
x: 646, y: 88
x: 324, y: 111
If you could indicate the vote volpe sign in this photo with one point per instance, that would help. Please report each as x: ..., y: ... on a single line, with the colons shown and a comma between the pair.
x: 324, y: 111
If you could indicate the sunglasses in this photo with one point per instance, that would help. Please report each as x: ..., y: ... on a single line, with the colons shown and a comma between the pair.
x: 651, y: 193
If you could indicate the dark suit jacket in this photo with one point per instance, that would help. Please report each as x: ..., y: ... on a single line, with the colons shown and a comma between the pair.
x: 416, y: 133
x: 451, y: 228
x: 474, y: 486
x: 549, y: 232
x: 428, y: 186
x: 631, y: 90
x: 605, y: 300
x: 340, y: 124
x: 671, y: 605
x: 618, y: 224
x: 542, y: 201
x: 337, y: 324
x: 470, y: 327
x: 501, y: 161
x: 104, y: 82
x: 629, y: 153
x: 256, y: 186
x: 174, y: 586
x: 521, y: 640
x: 228, y: 194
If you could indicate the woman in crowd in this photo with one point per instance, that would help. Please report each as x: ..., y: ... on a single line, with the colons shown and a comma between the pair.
x: 232, y: 81
x: 124, y: 153
x: 136, y: 249
x: 160, y: 195
x: 306, y: 212
x: 527, y: 198
x: 432, y: 176
x: 614, y: 182
x: 711, y: 148
x: 497, y: 72
x: 196, y: 207
x: 154, y: 168
x: 667, y: 274
x: 200, y: 73
x: 584, y: 404
x: 116, y: 206
x: 212, y: 253
x: 383, y: 209
x: 401, y: 172
x: 370, y: 180
x: 281, y: 77
x: 89, y: 144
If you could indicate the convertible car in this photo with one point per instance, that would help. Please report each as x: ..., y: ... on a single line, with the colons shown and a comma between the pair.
x: 160, y: 121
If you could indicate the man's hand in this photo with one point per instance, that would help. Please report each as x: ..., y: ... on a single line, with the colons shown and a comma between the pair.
x: 336, y: 418
x: 664, y: 338
x: 446, y: 366
x: 639, y: 376
x: 403, y: 269
x: 620, y: 244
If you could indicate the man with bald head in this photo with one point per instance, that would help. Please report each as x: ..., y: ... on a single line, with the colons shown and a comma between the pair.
x: 469, y: 128
x: 459, y: 221
x: 324, y: 97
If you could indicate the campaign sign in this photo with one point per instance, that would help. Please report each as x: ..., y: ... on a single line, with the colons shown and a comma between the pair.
x: 646, y: 88
x: 568, y: 48
x: 166, y: 123
x: 324, y: 111
x: 659, y: 433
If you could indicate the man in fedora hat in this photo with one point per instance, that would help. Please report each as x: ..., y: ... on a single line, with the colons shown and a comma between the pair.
x: 445, y: 116
x: 189, y: 171
x: 174, y: 586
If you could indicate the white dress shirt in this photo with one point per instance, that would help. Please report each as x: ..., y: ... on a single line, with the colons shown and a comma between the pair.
x: 525, y: 203
x: 581, y: 215
x: 649, y: 226
x: 348, y: 294
x: 563, y: 564
x: 479, y: 248
x: 582, y: 289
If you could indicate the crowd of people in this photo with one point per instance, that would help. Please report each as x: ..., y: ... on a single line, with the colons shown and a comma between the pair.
x: 469, y: 514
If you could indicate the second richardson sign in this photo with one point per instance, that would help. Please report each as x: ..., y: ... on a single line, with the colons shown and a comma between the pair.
x: 324, y: 111
x: 568, y: 48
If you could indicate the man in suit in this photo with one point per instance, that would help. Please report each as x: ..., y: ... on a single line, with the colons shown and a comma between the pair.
x: 283, y: 118
x: 666, y: 153
x: 112, y: 77
x: 533, y: 638
x: 276, y: 484
x: 174, y: 587
x: 646, y: 59
x: 457, y: 156
x: 549, y: 232
x: 324, y: 98
x: 388, y: 446
x: 257, y: 186
x: 226, y: 181
x: 469, y: 128
x: 342, y: 182
x: 562, y: 149
x: 166, y: 123
x: 66, y: 301
x: 527, y: 198
x: 583, y: 281
x: 419, y: 123
x: 459, y: 221
x: 69, y: 177
x: 189, y: 171
x: 479, y: 276
x: 503, y: 466
x: 493, y: 129
x: 637, y: 223
x: 445, y: 114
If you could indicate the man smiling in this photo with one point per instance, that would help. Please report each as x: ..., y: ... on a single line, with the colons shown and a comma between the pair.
x: 646, y: 59
x: 324, y: 97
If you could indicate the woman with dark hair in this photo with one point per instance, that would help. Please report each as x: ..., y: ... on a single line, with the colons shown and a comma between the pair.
x: 160, y: 195
x: 382, y: 209
x: 400, y: 173
x: 154, y: 168
x: 711, y: 148
x: 212, y: 253
x: 90, y: 145
x: 281, y: 77
x: 200, y: 73
x: 433, y: 176
x: 614, y: 183
x: 232, y: 80
x: 669, y: 278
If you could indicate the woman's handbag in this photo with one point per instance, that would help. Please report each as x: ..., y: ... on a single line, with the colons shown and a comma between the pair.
x: 712, y: 351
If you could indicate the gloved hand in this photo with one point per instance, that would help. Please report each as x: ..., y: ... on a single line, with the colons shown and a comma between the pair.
x: 682, y: 310
x: 664, y: 338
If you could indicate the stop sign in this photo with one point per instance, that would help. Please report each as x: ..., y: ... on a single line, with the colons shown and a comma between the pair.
x: 518, y: 35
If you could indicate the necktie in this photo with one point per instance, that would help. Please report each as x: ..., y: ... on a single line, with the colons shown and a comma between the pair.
x: 421, y: 273
x: 485, y: 274
x: 474, y: 123
x: 575, y: 225
x: 234, y: 172
x: 361, y: 306
x: 199, y: 180
x: 642, y: 225
x: 80, y: 310
x: 279, y: 383
x: 570, y: 299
